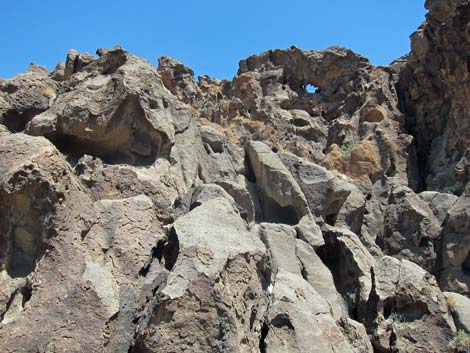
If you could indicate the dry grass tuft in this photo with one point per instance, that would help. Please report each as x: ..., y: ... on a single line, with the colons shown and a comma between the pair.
x: 49, y: 92
x: 451, y: 302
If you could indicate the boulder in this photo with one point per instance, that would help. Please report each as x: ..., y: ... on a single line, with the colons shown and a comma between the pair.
x: 459, y: 305
x: 138, y: 117
x: 351, y: 265
x: 456, y: 247
x: 89, y: 264
x: 325, y: 192
x: 410, y: 229
x: 281, y: 197
x: 411, y: 313
x: 299, y: 320
x: 213, y: 282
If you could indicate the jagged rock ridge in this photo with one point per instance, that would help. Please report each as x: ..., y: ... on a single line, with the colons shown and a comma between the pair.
x: 144, y: 211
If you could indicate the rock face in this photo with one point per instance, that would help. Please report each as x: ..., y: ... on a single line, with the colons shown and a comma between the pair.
x: 439, y: 119
x: 144, y: 211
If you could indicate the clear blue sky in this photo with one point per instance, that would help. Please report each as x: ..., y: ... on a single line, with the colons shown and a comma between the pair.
x: 208, y: 36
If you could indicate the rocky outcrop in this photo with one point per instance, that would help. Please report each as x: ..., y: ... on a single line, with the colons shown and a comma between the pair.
x: 410, y: 229
x: 411, y: 312
x: 439, y: 119
x: 460, y: 307
x: 314, y: 203
x: 455, y: 247
x: 216, y: 287
x: 113, y: 108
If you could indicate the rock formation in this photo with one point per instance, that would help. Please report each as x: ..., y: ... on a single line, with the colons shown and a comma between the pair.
x: 142, y: 210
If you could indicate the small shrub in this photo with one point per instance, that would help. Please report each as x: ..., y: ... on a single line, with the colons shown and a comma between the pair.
x: 225, y: 103
x: 49, y: 92
x: 347, y: 148
x: 460, y: 343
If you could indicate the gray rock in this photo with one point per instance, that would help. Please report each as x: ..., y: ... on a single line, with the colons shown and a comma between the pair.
x: 325, y: 193
x: 410, y: 229
x: 281, y: 197
x: 25, y: 96
x: 242, y: 197
x: 296, y: 306
x: 433, y: 89
x: 351, y: 265
x: 214, y: 279
x: 281, y: 242
x: 440, y: 203
x: 357, y: 335
x: 315, y: 272
x: 409, y: 306
x: 222, y: 160
x: 70, y: 256
x: 138, y: 116
x: 456, y: 246
x: 310, y: 232
x: 158, y: 213
x: 460, y: 308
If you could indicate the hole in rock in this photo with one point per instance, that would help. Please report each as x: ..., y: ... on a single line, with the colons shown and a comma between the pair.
x: 214, y: 146
x: 282, y: 320
x: 26, y: 291
x: 26, y: 249
x: 167, y: 253
x: 300, y: 122
x: 16, y: 121
x: 410, y: 312
x: 424, y: 242
x: 310, y: 88
x: 331, y: 219
x: 275, y: 213
x: 388, y: 308
x: 75, y: 148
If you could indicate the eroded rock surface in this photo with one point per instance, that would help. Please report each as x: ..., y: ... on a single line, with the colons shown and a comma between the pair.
x: 142, y: 210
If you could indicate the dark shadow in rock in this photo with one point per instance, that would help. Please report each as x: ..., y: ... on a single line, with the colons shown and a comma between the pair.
x: 262, y: 338
x: 282, y: 320
x: 344, y: 273
x: 466, y: 265
x: 26, y: 291
x: 166, y: 252
x: 16, y: 121
x: 128, y: 139
x: 411, y: 312
x: 275, y: 213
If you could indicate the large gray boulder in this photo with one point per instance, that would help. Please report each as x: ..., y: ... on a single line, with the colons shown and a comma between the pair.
x: 456, y: 247
x: 325, y: 192
x: 410, y: 229
x: 281, y: 197
x: 213, y: 282
x: 459, y: 305
x: 116, y: 107
x: 85, y: 262
x: 409, y: 312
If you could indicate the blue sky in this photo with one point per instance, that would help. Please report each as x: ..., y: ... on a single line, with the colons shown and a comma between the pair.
x: 208, y: 36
